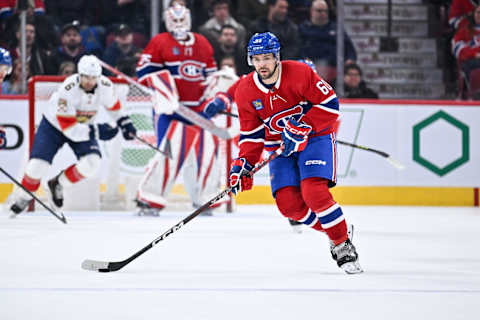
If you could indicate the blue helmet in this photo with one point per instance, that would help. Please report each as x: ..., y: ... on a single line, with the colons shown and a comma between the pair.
x: 6, y: 59
x: 309, y: 63
x: 261, y: 43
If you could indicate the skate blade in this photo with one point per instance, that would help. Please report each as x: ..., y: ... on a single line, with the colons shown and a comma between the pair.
x: 297, y: 228
x: 13, y: 215
x: 352, y: 267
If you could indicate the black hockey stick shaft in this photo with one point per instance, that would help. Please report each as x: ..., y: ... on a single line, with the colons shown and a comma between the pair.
x: 167, y: 154
x: 59, y: 216
x: 382, y: 153
x: 101, y: 266
x: 233, y: 115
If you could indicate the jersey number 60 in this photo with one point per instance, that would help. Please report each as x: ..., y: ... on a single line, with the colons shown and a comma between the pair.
x: 323, y: 86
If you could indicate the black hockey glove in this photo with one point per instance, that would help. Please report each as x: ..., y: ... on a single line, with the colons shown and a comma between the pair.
x: 126, y: 125
x: 102, y: 131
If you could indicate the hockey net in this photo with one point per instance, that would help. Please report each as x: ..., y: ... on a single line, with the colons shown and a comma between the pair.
x: 124, y: 162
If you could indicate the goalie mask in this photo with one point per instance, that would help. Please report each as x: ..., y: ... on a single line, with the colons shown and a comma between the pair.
x: 178, y: 21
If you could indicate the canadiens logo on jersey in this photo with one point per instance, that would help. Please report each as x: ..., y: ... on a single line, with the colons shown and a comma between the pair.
x: 257, y: 104
x: 191, y: 70
x: 277, y: 122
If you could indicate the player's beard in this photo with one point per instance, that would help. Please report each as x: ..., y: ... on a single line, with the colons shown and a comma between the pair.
x: 269, y: 75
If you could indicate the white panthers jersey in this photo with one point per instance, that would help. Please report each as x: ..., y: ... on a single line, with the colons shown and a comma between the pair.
x: 72, y: 109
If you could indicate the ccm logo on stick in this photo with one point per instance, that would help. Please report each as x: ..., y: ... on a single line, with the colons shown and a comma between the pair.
x: 315, y: 162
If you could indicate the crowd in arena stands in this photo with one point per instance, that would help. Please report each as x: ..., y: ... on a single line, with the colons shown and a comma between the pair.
x: 60, y: 32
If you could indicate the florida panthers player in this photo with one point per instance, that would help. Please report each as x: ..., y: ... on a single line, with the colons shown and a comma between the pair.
x: 286, y: 104
x: 188, y: 58
x: 70, y: 120
x: 5, y: 69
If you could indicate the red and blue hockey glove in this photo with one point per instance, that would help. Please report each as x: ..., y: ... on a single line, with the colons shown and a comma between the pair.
x: 128, y: 130
x: 216, y: 105
x: 239, y: 178
x: 3, y: 138
x: 102, y: 131
x: 294, y: 136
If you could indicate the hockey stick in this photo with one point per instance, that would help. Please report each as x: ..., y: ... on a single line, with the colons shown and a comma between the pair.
x: 183, y: 111
x: 393, y: 162
x: 233, y: 115
x: 60, y: 216
x: 104, y: 266
x: 166, y: 153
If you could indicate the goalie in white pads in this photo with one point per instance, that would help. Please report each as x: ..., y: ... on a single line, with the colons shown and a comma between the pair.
x: 175, y: 65
x: 70, y: 120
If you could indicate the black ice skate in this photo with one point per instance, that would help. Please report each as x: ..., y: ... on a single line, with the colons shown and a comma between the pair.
x: 19, y: 206
x: 144, y: 209
x: 347, y: 257
x: 296, y: 226
x: 56, y: 190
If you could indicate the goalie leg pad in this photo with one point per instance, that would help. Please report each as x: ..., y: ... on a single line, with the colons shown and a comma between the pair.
x: 162, y: 172
x: 202, y: 171
x: 318, y: 198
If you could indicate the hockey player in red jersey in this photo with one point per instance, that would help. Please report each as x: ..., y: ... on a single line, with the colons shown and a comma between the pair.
x: 188, y: 57
x: 287, y: 105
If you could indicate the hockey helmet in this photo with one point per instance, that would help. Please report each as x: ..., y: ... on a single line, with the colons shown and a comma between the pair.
x: 261, y: 43
x: 6, y: 59
x: 89, y: 66
x: 177, y: 21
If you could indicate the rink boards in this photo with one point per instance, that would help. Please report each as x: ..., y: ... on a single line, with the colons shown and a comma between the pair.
x: 435, y: 140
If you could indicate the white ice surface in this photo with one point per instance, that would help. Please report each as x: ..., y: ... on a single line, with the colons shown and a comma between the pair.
x: 420, y: 263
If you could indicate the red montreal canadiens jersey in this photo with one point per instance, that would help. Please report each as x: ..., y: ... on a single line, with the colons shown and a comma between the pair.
x: 299, y: 92
x: 189, y: 62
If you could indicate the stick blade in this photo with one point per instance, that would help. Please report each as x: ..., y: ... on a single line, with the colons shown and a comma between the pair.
x: 396, y: 163
x: 95, y: 265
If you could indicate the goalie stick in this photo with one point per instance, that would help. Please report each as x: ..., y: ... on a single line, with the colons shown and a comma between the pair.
x: 104, y: 266
x: 393, y: 162
x: 183, y: 111
x: 60, y: 216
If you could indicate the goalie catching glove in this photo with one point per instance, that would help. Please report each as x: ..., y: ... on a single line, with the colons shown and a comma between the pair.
x: 102, y: 131
x: 128, y: 130
x: 239, y: 178
x: 294, y: 137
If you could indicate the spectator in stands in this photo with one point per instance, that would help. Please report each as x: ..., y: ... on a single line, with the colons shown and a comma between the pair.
x: 459, y: 12
x: 277, y: 22
x: 228, y: 61
x: 319, y: 39
x: 122, y: 47
x: 37, y: 58
x: 465, y: 45
x: 13, y: 84
x: 71, y: 48
x: 112, y: 13
x: 354, y: 85
x: 221, y: 17
x: 249, y: 10
x: 227, y: 44
x: 67, y: 68
x: 9, y: 20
